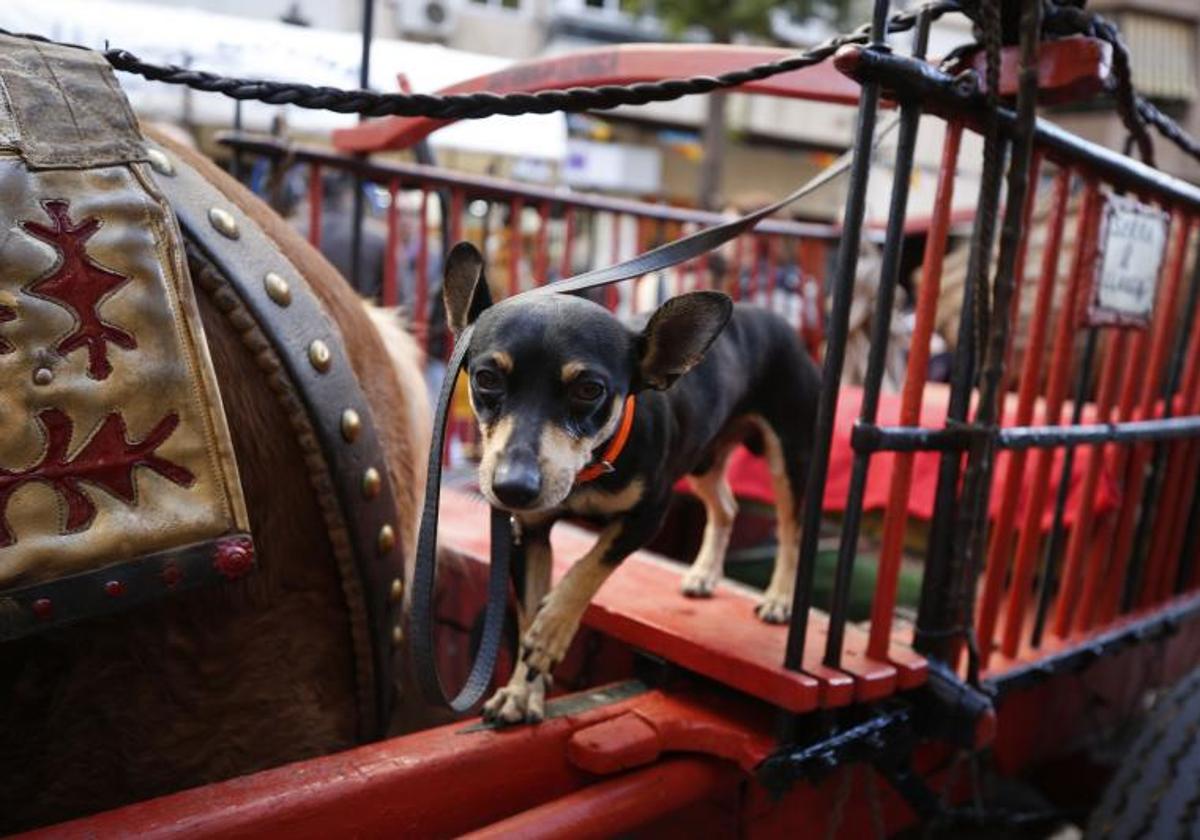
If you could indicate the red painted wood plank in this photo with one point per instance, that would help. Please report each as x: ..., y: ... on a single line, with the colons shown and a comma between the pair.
x: 439, y: 782
x: 718, y: 637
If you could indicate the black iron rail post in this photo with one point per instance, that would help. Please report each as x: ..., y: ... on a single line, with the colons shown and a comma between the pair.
x: 1187, y: 554
x: 889, y: 277
x: 937, y: 621
x: 970, y: 542
x: 235, y: 163
x: 835, y: 348
x: 364, y: 74
x: 1154, y: 487
x: 1054, y: 544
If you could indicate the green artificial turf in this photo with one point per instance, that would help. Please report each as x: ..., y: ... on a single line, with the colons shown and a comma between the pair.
x: 752, y: 567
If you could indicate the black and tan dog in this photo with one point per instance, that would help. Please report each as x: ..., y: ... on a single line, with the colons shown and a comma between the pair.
x: 583, y: 415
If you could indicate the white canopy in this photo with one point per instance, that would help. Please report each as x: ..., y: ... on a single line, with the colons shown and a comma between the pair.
x: 236, y: 46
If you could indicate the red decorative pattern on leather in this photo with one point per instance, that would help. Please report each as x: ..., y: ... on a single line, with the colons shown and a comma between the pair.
x: 79, y: 284
x: 7, y: 313
x: 107, y: 461
x: 234, y: 558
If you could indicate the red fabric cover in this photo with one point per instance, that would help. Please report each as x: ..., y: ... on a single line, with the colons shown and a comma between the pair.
x: 750, y: 478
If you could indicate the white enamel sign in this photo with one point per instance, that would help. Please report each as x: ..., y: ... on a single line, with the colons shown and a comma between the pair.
x: 1132, y: 245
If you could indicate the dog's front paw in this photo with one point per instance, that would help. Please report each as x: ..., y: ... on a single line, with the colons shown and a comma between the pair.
x: 545, y: 643
x: 699, y: 583
x: 774, y: 608
x: 522, y: 700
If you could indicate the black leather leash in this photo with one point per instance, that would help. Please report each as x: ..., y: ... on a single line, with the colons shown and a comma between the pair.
x: 425, y: 574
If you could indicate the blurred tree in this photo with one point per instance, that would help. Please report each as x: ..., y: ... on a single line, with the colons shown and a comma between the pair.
x: 722, y: 20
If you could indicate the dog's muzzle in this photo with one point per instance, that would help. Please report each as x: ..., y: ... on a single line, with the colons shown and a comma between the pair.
x: 517, y: 481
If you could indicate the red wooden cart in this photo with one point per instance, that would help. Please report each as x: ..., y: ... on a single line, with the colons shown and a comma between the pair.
x: 683, y: 717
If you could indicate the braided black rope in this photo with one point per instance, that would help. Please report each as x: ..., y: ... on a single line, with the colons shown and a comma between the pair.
x: 1126, y: 96
x: 1136, y: 112
x: 486, y: 104
x: 1166, y: 126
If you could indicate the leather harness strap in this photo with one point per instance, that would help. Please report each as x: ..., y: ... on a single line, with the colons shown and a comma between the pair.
x: 615, y: 446
x: 314, y: 356
x: 421, y: 617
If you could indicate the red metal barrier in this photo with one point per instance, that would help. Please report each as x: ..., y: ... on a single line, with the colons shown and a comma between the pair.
x: 1000, y: 546
x: 776, y: 246
x: 1167, y: 311
x: 1151, y: 382
x: 1067, y: 607
x: 1056, y: 388
x: 1183, y: 462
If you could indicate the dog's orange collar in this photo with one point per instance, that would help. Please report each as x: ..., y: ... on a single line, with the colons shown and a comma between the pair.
x: 613, y: 451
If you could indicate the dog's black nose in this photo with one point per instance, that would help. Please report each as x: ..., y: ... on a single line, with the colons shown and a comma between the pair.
x: 517, y: 481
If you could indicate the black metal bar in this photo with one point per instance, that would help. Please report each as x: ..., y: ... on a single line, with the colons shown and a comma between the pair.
x: 1161, y: 623
x: 1054, y: 545
x: 835, y: 350
x: 947, y: 94
x: 235, y: 164
x: 889, y: 277
x: 859, y: 742
x: 971, y: 534
x: 870, y: 438
x: 920, y: 439
x: 936, y: 609
x: 364, y: 75
x: 1133, y: 577
x: 1134, y: 431
x: 1187, y: 554
x: 412, y: 175
x: 1154, y: 484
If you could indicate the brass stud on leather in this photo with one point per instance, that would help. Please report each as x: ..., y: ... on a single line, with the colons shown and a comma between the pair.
x: 397, y: 590
x: 397, y: 634
x: 160, y: 162
x: 372, y: 482
x: 43, y: 376
x: 320, y: 356
x: 351, y: 425
x: 277, y: 288
x: 387, y: 539
x: 224, y: 222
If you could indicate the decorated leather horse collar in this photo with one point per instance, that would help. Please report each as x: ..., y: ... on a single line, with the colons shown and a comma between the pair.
x: 313, y: 354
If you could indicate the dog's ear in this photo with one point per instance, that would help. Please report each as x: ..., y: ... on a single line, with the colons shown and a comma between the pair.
x: 678, y: 335
x: 464, y: 286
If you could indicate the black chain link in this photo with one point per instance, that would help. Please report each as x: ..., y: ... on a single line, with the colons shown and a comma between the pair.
x: 486, y: 104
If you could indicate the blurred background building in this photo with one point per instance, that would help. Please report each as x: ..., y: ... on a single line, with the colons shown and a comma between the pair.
x: 655, y: 151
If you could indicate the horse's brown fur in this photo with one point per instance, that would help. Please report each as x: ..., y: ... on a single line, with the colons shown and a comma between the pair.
x: 222, y: 681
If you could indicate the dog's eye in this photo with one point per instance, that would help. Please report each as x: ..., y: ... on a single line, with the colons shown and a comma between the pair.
x: 488, y: 380
x: 587, y: 391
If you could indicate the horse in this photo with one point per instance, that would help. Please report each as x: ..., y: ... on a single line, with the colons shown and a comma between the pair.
x: 222, y: 681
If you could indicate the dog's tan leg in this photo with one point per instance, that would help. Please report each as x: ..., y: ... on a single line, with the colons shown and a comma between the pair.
x: 776, y: 604
x: 524, y: 698
x: 720, y: 508
x: 546, y: 641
